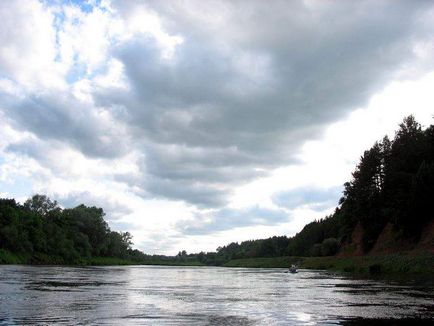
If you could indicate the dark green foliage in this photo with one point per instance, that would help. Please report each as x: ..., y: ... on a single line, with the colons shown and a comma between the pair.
x: 266, y: 262
x: 363, y: 196
x: 316, y: 250
x: 390, y: 266
x: 329, y: 247
x: 422, y: 193
x: 41, y: 204
x: 89, y: 221
x: 271, y: 247
x: 408, y: 152
x: 393, y: 183
x: 308, y: 241
x: 43, y: 232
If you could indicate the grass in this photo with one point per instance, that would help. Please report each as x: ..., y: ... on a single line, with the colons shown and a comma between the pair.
x: 422, y: 263
x: 398, y: 264
x: 171, y: 263
x: 107, y: 261
x: 273, y: 262
x: 386, y: 264
x: 6, y: 257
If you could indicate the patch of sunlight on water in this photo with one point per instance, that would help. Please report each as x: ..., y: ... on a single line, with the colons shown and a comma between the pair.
x: 158, y: 295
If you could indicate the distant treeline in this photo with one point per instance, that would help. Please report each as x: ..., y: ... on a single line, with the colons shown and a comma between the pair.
x: 392, y: 184
x: 44, y: 233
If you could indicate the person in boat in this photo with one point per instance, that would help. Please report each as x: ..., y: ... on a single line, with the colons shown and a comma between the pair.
x: 293, y: 269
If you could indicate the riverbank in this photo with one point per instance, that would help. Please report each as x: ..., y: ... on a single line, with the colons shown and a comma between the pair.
x: 7, y: 257
x: 108, y: 261
x: 409, y: 263
x: 420, y: 263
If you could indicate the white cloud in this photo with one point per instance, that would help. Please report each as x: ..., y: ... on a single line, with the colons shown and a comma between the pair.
x: 189, y: 122
x: 329, y: 162
x: 28, y: 51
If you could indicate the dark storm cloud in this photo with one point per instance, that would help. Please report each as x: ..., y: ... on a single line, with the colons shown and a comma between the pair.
x: 203, y: 176
x: 201, y: 194
x: 227, y: 219
x: 60, y: 117
x: 32, y: 148
x: 252, y: 81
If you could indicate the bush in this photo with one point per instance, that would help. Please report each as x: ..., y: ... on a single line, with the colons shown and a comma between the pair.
x: 316, y: 250
x: 329, y: 247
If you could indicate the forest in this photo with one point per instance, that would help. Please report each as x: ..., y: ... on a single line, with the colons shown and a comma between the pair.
x: 392, y: 186
x: 43, y: 233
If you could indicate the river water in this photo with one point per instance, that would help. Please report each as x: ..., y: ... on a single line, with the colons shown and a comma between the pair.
x: 156, y: 295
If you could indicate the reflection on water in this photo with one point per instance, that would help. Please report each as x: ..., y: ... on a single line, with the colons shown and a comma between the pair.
x: 151, y: 295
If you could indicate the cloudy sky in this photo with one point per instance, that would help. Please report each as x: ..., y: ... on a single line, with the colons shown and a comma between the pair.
x: 198, y: 123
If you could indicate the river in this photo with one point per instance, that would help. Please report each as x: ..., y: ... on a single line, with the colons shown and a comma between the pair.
x: 158, y: 295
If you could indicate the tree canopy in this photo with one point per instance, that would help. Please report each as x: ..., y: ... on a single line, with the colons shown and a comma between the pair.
x: 50, y: 234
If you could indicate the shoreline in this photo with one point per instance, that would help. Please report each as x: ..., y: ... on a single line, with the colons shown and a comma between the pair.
x: 381, y: 265
x: 421, y: 263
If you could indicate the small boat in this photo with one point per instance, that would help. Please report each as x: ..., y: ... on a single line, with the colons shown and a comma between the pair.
x: 293, y: 269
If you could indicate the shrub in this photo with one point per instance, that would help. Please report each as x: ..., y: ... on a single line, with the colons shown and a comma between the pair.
x: 329, y: 247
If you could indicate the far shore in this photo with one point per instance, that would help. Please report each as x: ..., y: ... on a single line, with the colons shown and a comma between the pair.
x: 421, y: 263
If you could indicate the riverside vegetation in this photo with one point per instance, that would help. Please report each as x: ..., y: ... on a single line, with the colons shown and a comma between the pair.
x: 384, y: 223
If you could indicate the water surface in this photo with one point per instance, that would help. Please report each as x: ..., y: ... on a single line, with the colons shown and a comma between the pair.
x: 157, y: 295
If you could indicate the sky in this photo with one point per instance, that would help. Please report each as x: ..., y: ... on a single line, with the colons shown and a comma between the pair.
x: 197, y: 123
